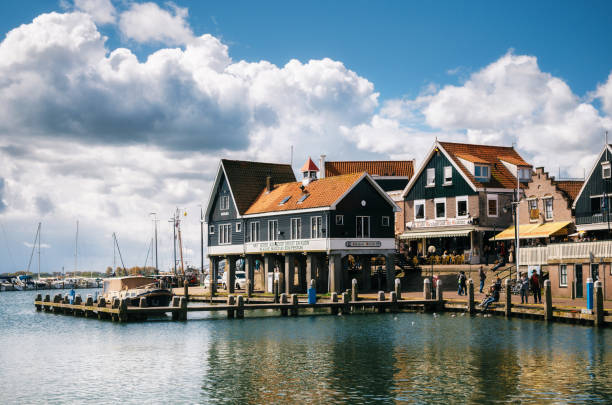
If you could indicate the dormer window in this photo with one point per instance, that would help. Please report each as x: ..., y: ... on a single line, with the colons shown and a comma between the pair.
x: 524, y: 174
x: 481, y: 173
x: 225, y: 202
x: 606, y: 170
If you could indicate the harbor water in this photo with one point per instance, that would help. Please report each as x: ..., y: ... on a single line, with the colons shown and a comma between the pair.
x: 407, y: 357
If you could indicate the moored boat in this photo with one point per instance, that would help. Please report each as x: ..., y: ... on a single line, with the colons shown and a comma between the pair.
x: 133, y: 288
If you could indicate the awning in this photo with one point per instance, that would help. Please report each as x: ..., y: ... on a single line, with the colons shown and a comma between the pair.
x: 447, y: 233
x: 534, y: 231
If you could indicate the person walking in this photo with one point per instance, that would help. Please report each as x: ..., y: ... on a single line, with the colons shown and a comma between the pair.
x: 524, y: 289
x: 460, y: 278
x: 483, y: 277
x: 535, y: 287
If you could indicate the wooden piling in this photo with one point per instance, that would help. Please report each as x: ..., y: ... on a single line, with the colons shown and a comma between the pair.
x: 471, y: 305
x: 547, y: 301
x: 294, y: 305
x: 439, y: 293
x: 381, y: 299
x: 508, y: 307
x: 426, y: 289
x: 398, y: 288
x: 334, y: 299
x: 38, y: 298
x: 186, y: 291
x: 354, y: 290
x: 123, y: 311
x: 175, y: 304
x: 240, y: 307
x: 346, y: 307
x: 231, y: 301
x: 393, y: 299
x: 276, y: 293
x: 598, y: 309
x: 283, y: 300
x: 249, y: 288
x: 183, y: 305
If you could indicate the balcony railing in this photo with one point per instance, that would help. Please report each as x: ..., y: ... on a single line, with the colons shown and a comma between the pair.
x: 565, y: 251
x: 592, y: 219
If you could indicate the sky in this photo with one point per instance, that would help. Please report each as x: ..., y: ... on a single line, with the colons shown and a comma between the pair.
x: 114, y: 109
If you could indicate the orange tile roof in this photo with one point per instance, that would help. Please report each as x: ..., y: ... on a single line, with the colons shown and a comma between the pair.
x: 323, y: 193
x: 400, y: 168
x: 309, y: 166
x: 501, y: 177
x: 570, y: 187
x: 471, y: 158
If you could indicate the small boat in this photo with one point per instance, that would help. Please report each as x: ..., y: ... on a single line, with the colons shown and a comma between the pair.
x: 133, y: 288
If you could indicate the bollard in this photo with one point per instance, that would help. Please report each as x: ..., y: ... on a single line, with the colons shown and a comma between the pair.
x: 346, y: 307
x: 381, y: 300
x: 186, y: 291
x: 589, y: 294
x: 508, y: 308
x: 78, y: 300
x: 471, y: 307
x: 294, y: 304
x: 439, y: 294
x: 122, y: 317
x: 354, y: 291
x: 231, y: 301
x: 547, y: 301
x: 598, y: 319
x: 101, y: 302
x: 89, y: 301
x: 283, y: 300
x: 398, y: 288
x: 393, y: 299
x: 334, y: 299
x: 183, y: 304
x: 240, y: 307
x: 142, y: 303
x: 275, y: 288
x: 426, y: 289
x: 573, y: 292
x: 249, y: 288
x: 312, y: 293
x: 38, y: 299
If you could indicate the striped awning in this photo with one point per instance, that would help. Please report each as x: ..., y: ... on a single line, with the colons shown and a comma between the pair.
x: 534, y: 231
x: 447, y: 233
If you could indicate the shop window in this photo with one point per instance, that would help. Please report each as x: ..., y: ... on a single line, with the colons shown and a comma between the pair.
x: 492, y: 205
x: 339, y: 219
x: 548, y: 208
x: 419, y: 210
x: 462, y: 207
x: 385, y: 221
x: 562, y: 275
x: 431, y: 177
x: 448, y: 175
x: 363, y: 227
x: 440, y: 204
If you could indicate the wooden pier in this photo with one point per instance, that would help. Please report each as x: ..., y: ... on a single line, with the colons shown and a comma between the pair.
x: 345, y: 304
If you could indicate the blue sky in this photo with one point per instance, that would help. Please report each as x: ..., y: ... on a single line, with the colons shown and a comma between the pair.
x: 105, y: 131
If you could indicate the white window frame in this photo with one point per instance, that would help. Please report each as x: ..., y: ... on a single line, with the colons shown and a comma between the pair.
x: 339, y: 219
x: 388, y: 221
x: 225, y: 234
x: 493, y: 197
x: 419, y: 202
x: 448, y: 169
x: 298, y: 229
x: 467, y: 206
x: 436, y: 202
x: 224, y: 203
x: 605, y: 166
x: 254, y: 231
x: 524, y: 174
x: 431, y: 177
x: 481, y: 177
x: 363, y: 235
x: 211, y: 229
x: 561, y: 284
x: 552, y: 214
x: 316, y: 227
x: 238, y: 226
x: 529, y: 209
x: 273, y: 229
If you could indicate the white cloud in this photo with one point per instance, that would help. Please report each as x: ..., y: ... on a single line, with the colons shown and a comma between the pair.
x: 604, y: 93
x: 147, y: 22
x: 101, y: 11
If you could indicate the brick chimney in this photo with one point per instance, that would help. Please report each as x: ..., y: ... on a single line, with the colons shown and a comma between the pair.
x: 269, y: 184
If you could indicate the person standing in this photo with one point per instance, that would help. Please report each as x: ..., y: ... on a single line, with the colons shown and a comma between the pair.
x: 483, y: 277
x: 535, y: 287
x: 461, y: 283
x: 524, y: 289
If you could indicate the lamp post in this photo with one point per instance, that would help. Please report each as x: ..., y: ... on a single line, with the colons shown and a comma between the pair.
x: 155, y: 220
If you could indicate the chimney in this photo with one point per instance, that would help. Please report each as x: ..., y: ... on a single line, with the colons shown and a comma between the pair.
x: 269, y: 184
x: 322, y: 167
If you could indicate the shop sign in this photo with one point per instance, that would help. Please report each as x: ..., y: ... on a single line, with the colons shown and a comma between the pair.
x: 363, y: 243
x: 286, y: 245
x: 432, y: 223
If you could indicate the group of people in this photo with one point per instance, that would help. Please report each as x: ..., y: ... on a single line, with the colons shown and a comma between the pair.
x: 533, y: 285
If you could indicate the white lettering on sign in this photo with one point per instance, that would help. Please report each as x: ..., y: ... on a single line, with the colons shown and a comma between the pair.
x: 224, y: 213
x: 363, y: 243
x: 285, y: 245
x: 431, y: 223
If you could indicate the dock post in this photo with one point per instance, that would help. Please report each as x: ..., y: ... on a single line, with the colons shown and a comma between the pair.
x: 573, y: 292
x: 230, y: 303
x: 240, y: 307
x: 38, y: 298
x: 101, y: 304
x: 122, y: 311
x: 508, y: 308
x: 439, y: 293
x: 275, y: 288
x: 334, y: 299
x: 47, y: 299
x: 547, y: 301
x: 294, y: 304
x: 283, y: 301
x: 346, y: 307
x: 426, y: 289
x: 398, y: 288
x: 393, y: 299
x: 354, y: 291
x: 249, y: 288
x: 175, y: 304
x: 598, y: 319
x: 381, y: 300
x: 470, y: 306
x: 89, y: 303
x: 183, y: 305
x: 186, y: 291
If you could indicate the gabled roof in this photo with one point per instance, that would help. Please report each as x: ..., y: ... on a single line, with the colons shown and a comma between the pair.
x: 501, y: 177
x: 309, y: 166
x: 570, y: 187
x: 586, y: 180
x: 322, y: 193
x: 397, y: 168
x: 247, y: 179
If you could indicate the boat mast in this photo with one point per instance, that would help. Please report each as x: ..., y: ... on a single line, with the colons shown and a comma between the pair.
x: 36, y: 238
x: 201, y: 242
x: 76, y: 248
x: 39, y: 250
x: 119, y: 250
x: 180, y: 240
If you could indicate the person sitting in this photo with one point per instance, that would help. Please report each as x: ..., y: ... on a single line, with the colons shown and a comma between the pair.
x: 494, y: 297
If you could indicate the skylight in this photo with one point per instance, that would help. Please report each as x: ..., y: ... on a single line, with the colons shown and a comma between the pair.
x: 305, y: 196
x: 285, y: 200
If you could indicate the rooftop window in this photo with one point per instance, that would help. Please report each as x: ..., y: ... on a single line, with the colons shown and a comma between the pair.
x: 482, y: 173
x: 304, y: 197
x: 285, y: 200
